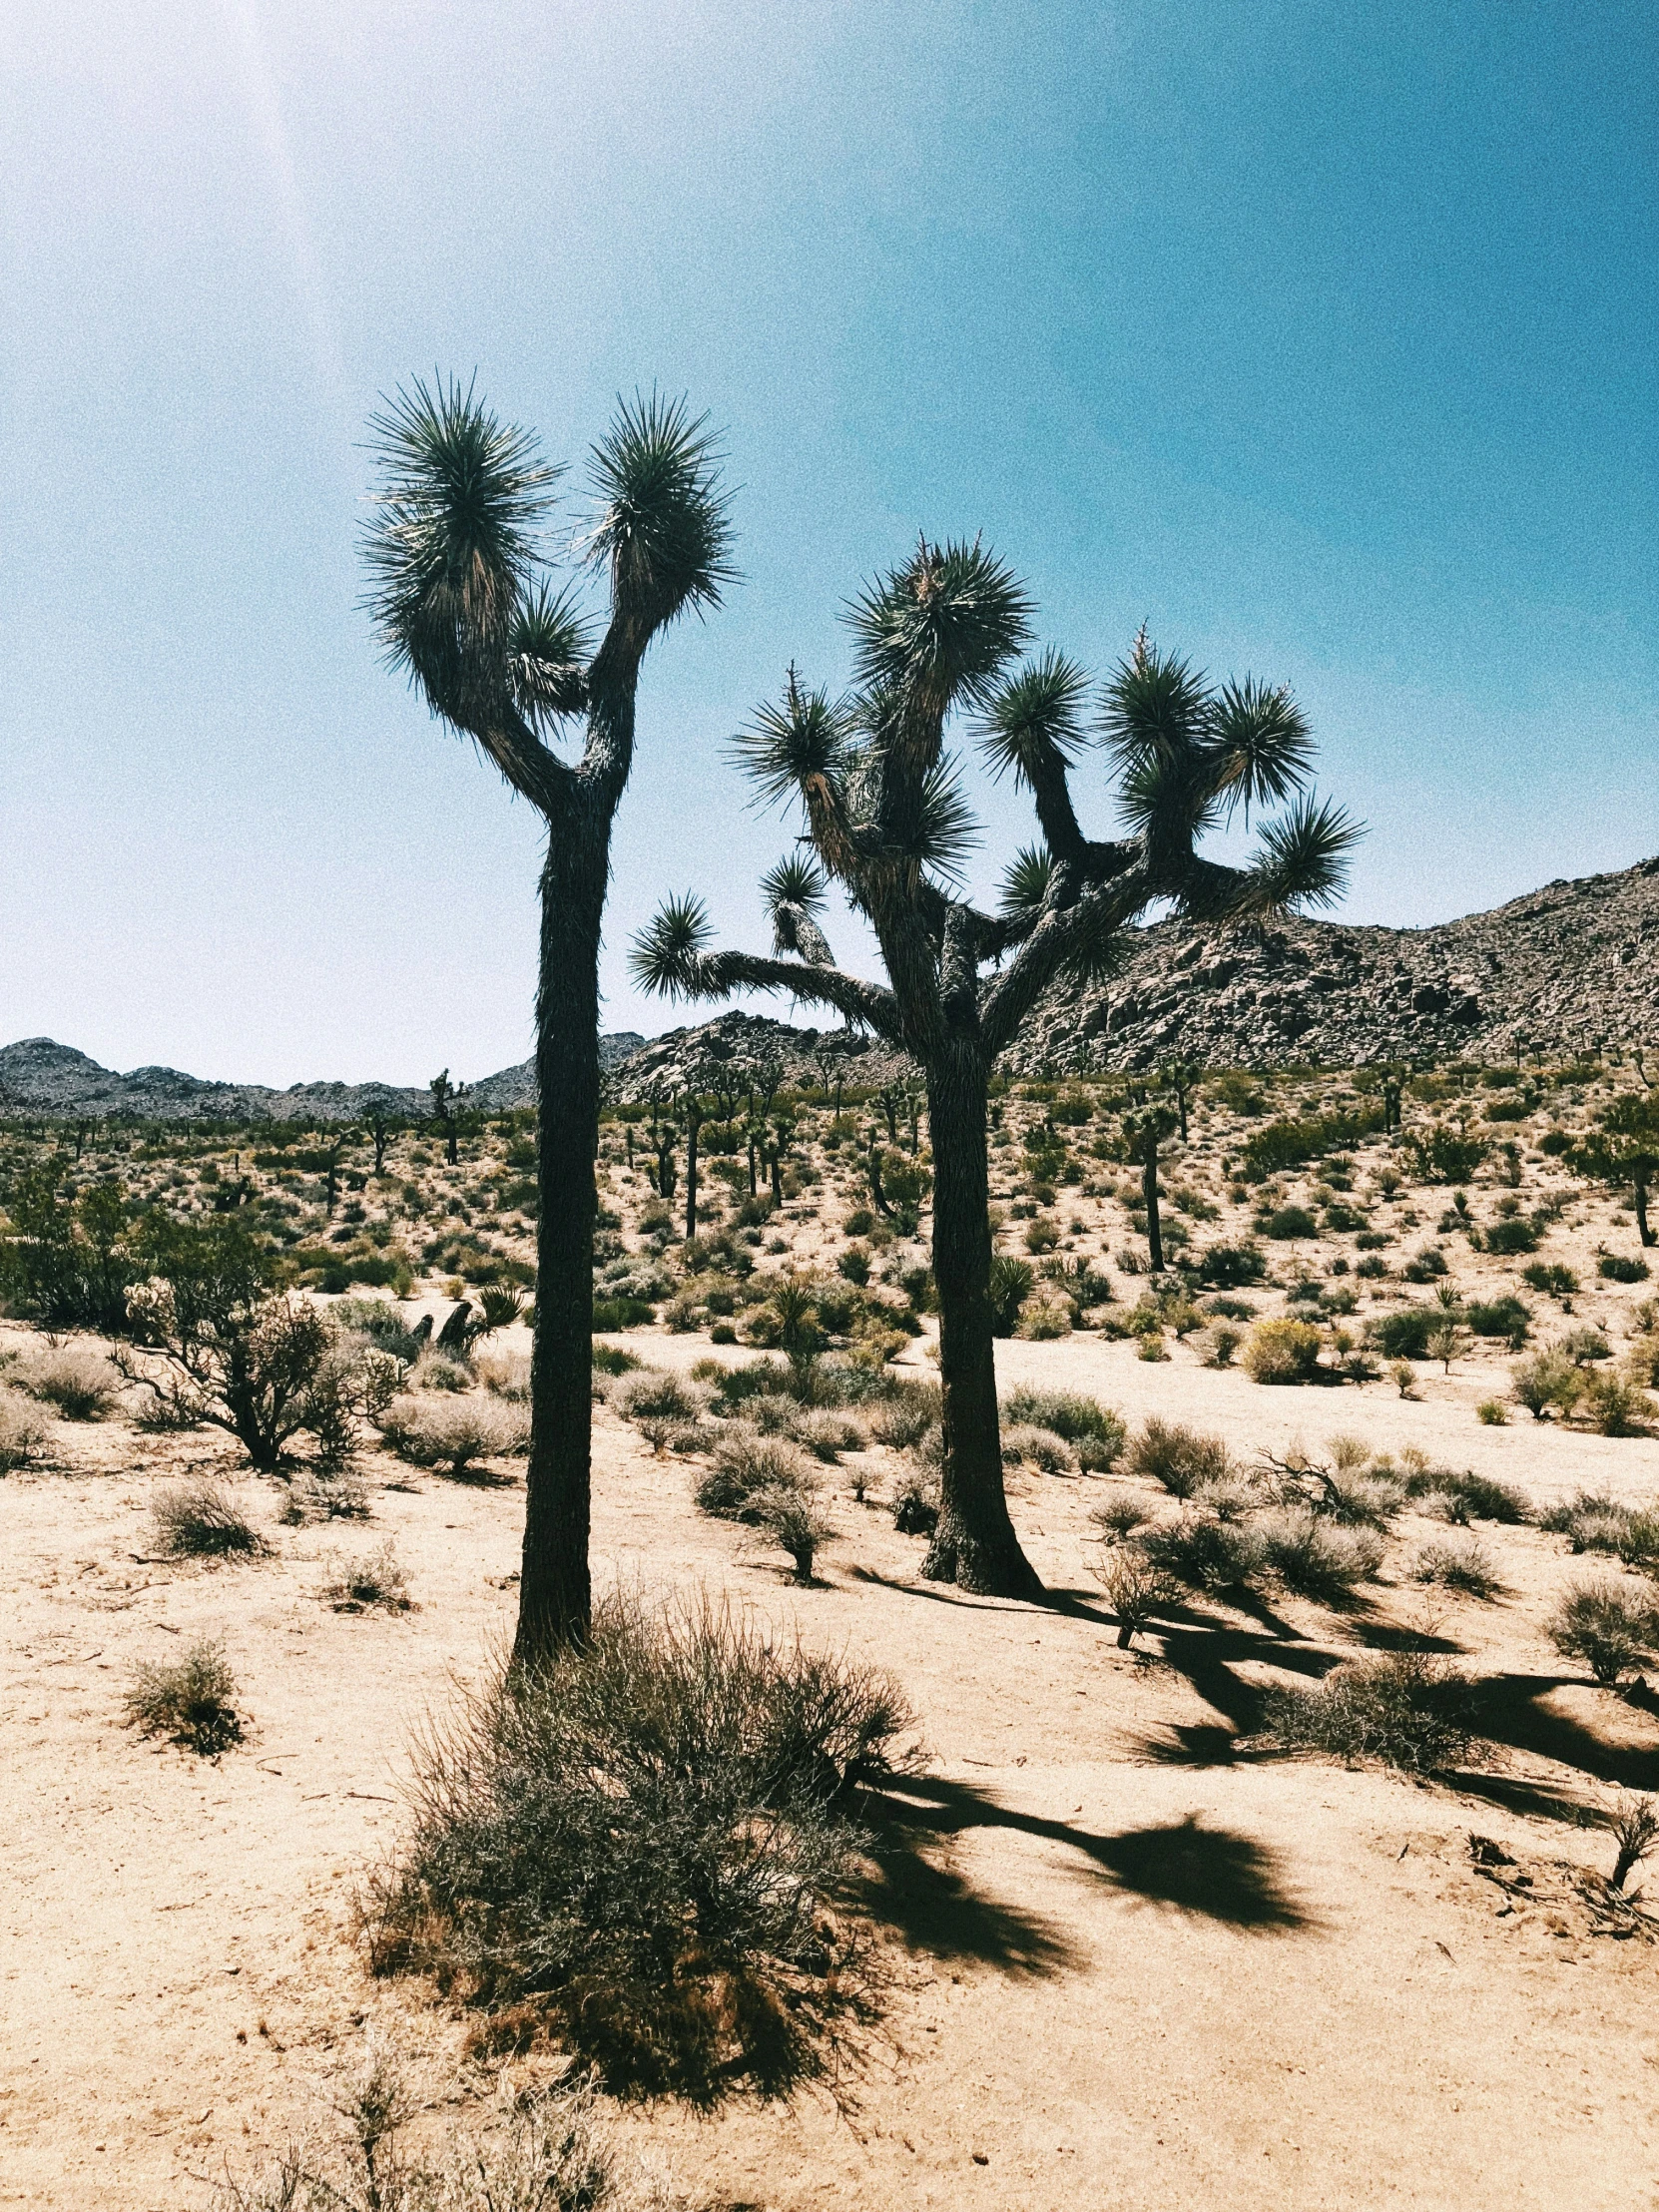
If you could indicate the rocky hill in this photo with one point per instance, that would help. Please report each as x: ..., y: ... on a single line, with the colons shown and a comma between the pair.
x: 1572, y: 966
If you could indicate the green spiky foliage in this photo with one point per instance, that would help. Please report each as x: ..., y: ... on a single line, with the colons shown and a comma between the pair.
x: 1624, y: 1151
x: 936, y: 642
x: 466, y: 605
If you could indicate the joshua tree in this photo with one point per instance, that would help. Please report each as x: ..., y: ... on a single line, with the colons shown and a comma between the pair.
x: 1180, y: 1078
x: 1143, y: 1131
x: 446, y: 1096
x: 1626, y: 1150
x: 887, y: 821
x: 464, y: 604
x: 378, y: 1125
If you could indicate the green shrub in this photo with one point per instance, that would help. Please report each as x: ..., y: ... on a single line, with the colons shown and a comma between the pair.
x: 1290, y: 1222
x: 645, y: 1840
x: 613, y: 1359
x: 1461, y: 1495
x: 1612, y: 1267
x: 1095, y: 1429
x: 902, y: 1419
x: 1444, y: 1155
x: 1508, y: 1237
x: 1408, y: 1708
x: 1281, y: 1352
x: 187, y: 1699
x: 1287, y: 1144
x: 1547, y: 1379
x: 1614, y: 1406
x: 1230, y: 1267
x: 612, y: 1313
x: 1608, y: 1625
x: 1499, y: 1317
x: 1549, y: 1277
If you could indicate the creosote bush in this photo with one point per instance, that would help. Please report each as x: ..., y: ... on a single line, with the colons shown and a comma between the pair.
x: 643, y: 1840
x: 197, y: 1520
x: 1097, y: 1433
x: 1281, y: 1352
x: 1408, y: 1708
x: 187, y: 1699
x: 1179, y: 1457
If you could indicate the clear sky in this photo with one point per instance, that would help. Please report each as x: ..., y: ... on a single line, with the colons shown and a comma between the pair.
x: 1323, y: 338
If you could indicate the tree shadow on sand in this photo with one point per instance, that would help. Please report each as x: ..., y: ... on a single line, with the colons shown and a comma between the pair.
x: 1211, y: 1873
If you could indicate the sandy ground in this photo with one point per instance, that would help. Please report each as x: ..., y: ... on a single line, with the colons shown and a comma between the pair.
x: 1137, y: 1970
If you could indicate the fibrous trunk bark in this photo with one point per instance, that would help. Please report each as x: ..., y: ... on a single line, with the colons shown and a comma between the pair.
x: 1154, y: 1229
x: 974, y: 1545
x: 1642, y: 1229
x: 555, y: 1594
x: 694, y: 1123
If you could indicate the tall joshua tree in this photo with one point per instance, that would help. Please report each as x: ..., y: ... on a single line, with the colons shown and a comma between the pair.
x: 885, y: 818
x: 466, y: 606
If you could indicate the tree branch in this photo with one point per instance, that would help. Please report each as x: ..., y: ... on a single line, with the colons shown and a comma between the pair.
x: 718, y: 974
x: 1059, y: 937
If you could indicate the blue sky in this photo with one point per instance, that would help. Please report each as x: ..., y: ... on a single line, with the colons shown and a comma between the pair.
x: 1322, y: 338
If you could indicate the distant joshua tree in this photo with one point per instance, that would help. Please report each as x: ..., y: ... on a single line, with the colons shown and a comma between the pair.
x: 885, y: 818
x: 464, y: 604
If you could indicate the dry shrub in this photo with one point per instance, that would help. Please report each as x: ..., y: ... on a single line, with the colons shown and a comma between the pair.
x: 505, y: 1375
x: 915, y: 1503
x: 649, y: 1392
x: 453, y: 1433
x: 197, y: 1520
x: 187, y: 1699
x: 1591, y: 1521
x: 901, y: 1421
x: 1457, y: 1563
x: 377, y: 1581
x: 792, y: 1517
x: 436, y: 1371
x: 1611, y: 1626
x: 75, y: 1378
x: 746, y: 1467
x: 1408, y: 1708
x: 827, y: 1434
x: 1118, y: 1517
x: 546, y: 2150
x: 1317, y: 1558
x: 1459, y: 1496
x: 1205, y: 1554
x: 23, y: 1431
x: 645, y: 1839
x: 1026, y: 1441
x: 1178, y: 1458
x: 1136, y: 1589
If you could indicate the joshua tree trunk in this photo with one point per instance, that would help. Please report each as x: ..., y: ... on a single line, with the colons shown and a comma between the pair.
x: 974, y: 1545
x: 554, y: 1590
x: 694, y: 1124
x: 1642, y: 1229
x: 1154, y: 1229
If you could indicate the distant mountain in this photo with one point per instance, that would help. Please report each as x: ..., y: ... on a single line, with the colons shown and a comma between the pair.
x: 44, y: 1077
x: 1572, y: 966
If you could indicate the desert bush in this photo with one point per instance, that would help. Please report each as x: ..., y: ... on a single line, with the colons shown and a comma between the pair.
x: 1499, y: 1317
x: 187, y: 1699
x: 1508, y: 1239
x: 1011, y: 1282
x: 791, y: 1516
x: 437, y: 1371
x: 1039, y: 1448
x: 453, y: 1433
x: 827, y: 1433
x: 1584, y: 1346
x: 649, y: 1391
x: 645, y: 1839
x: 1205, y: 1554
x: 1591, y: 1521
x: 75, y: 1377
x: 1457, y: 1564
x: 1046, y: 1316
x: 614, y: 1359
x: 1317, y: 1558
x: 915, y: 1503
x: 1405, y: 1334
x: 1442, y: 1155
x: 1551, y: 1278
x: 1229, y: 1497
x: 901, y: 1421
x: 1218, y: 1344
x: 1178, y: 1458
x: 381, y: 1322
x: 1118, y: 1517
x: 1281, y: 1352
x: 1608, y: 1625
x: 1136, y: 1589
x: 375, y: 1581
x: 1096, y: 1431
x: 505, y: 1375
x: 1615, y: 1406
x: 1546, y: 1379
x: 1461, y: 1495
x: 197, y: 1520
x: 747, y: 1465
x: 23, y: 1431
x: 1408, y: 1708
x: 314, y: 1495
x: 1635, y: 1826
x: 1230, y: 1267
x: 1613, y: 1267
x: 1288, y: 1224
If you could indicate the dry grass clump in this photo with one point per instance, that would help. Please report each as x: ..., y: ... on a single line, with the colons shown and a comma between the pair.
x: 1179, y: 1457
x: 187, y: 1699
x: 505, y: 1375
x: 1610, y: 1625
x: 197, y: 1520
x: 1459, y: 1496
x: 1118, y: 1517
x: 1137, y: 1590
x: 453, y: 1433
x: 642, y: 1842
x: 827, y: 1433
x: 1095, y: 1433
x: 901, y: 1421
x: 1025, y: 1442
x: 1318, y: 1558
x: 794, y: 1521
x: 436, y: 1371
x: 375, y: 1582
x: 1408, y: 1708
x: 545, y: 2151
x: 76, y: 1378
x: 23, y: 1431
x: 1457, y: 1563
x: 649, y: 1394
